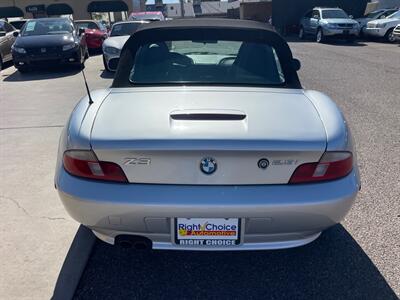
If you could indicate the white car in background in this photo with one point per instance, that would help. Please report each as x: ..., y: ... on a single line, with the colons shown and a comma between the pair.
x: 120, y: 33
x: 383, y: 28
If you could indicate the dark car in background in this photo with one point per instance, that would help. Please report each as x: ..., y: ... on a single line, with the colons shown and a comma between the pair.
x: 96, y: 32
x: 50, y: 41
x: 7, y: 39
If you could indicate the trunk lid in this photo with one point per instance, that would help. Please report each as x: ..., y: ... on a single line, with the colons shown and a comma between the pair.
x: 161, y: 135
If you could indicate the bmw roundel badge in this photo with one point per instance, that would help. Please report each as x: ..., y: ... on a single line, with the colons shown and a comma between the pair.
x: 208, y: 165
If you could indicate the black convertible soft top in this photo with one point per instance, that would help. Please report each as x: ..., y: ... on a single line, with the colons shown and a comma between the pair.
x: 206, y: 29
x: 208, y: 23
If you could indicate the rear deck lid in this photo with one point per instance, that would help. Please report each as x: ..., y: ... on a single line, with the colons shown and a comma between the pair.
x: 161, y: 135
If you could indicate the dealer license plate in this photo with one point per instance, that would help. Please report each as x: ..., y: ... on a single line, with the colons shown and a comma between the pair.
x: 202, y: 232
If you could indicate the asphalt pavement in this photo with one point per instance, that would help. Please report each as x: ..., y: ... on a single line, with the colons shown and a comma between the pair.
x: 359, y: 259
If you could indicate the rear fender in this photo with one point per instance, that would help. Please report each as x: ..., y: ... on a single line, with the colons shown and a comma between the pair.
x: 76, y: 133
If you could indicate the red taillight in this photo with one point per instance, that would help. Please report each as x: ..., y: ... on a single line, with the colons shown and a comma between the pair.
x: 84, y: 163
x: 333, y: 165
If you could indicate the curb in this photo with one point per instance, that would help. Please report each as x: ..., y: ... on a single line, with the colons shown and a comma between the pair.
x: 74, y: 264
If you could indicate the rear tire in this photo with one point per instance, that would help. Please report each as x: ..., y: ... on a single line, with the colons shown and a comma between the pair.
x: 320, y: 36
x: 301, y: 33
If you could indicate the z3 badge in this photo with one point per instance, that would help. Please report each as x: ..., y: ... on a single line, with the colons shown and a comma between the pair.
x: 137, y: 161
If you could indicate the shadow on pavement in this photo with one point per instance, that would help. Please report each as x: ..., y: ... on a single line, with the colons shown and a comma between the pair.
x: 7, y: 65
x: 333, y: 42
x: 95, y: 52
x: 107, y: 75
x: 43, y: 74
x: 333, y: 267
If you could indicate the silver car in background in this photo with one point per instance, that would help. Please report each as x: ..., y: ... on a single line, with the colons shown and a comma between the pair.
x: 323, y: 23
x: 384, y: 28
x: 7, y: 39
x: 374, y: 15
x: 206, y: 140
x: 119, y: 34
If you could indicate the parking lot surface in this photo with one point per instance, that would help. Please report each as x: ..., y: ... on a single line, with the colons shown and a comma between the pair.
x: 359, y: 259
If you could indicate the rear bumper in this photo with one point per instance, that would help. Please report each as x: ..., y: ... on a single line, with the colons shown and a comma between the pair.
x: 272, y: 216
x: 95, y: 42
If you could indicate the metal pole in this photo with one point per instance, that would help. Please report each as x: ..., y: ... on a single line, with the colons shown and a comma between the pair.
x: 182, y: 9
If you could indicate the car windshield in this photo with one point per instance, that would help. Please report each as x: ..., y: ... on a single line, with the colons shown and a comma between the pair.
x: 334, y: 14
x: 396, y: 15
x: 141, y: 17
x: 88, y: 25
x: 373, y: 14
x: 18, y: 24
x: 207, y: 62
x: 44, y: 27
x: 124, y: 29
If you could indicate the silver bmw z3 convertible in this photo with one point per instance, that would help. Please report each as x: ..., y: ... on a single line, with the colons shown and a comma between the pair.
x: 206, y: 140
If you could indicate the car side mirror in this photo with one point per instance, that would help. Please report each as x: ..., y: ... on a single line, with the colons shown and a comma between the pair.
x: 81, y: 31
x: 15, y: 33
x: 296, y: 64
x: 113, y: 63
x: 351, y: 17
x: 2, y: 33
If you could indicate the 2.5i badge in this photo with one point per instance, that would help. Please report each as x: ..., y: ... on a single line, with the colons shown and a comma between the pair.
x: 203, y: 232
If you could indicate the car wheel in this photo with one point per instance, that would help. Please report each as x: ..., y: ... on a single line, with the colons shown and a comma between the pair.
x: 1, y: 63
x: 320, y: 36
x: 87, y: 53
x: 105, y: 65
x: 301, y: 33
x: 389, y: 36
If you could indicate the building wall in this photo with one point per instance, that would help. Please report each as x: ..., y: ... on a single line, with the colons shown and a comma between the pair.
x: 78, y: 6
x: 387, y: 3
x: 258, y: 11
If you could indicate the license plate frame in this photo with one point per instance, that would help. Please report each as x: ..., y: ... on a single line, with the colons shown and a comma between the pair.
x: 204, y: 240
